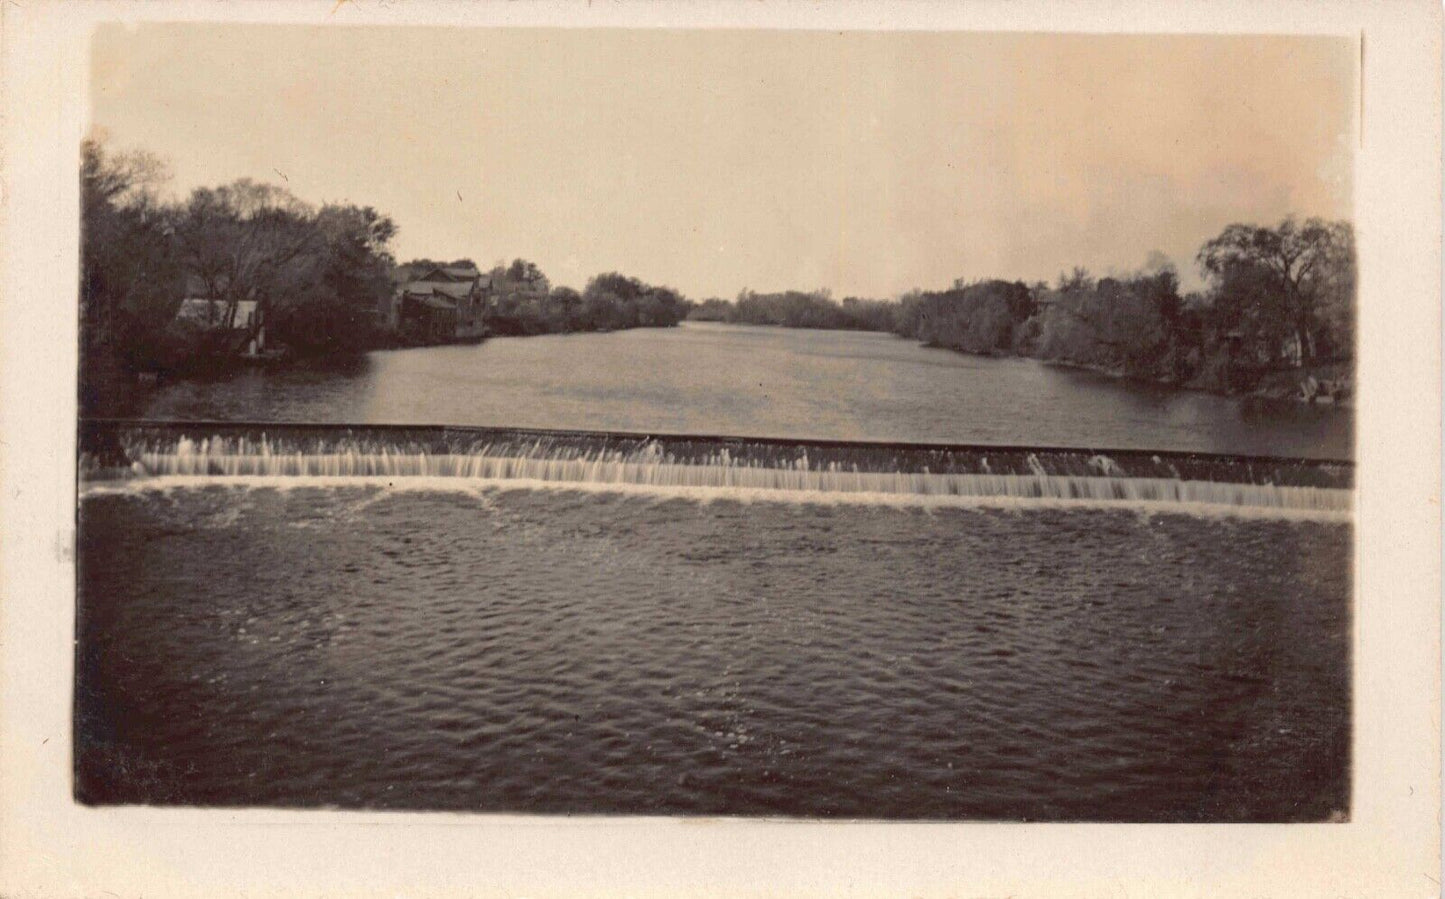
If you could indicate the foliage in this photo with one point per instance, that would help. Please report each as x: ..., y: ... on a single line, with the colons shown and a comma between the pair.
x: 422, y: 266
x: 335, y: 310
x: 712, y: 309
x: 1126, y: 325
x: 612, y: 301
x: 246, y: 241
x: 1288, y: 290
x: 798, y: 309
x: 130, y: 275
x: 869, y: 315
x: 976, y: 318
x: 317, y: 276
x: 523, y: 303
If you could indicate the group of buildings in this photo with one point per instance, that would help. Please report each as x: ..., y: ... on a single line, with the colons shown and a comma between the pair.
x: 438, y: 304
x: 427, y: 305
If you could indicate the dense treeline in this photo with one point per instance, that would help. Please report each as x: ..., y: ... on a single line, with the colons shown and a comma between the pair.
x: 1277, y: 299
x: 312, y: 278
x: 798, y: 309
x: 978, y: 318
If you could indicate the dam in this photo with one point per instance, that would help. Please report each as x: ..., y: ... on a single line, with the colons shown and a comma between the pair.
x: 691, y: 462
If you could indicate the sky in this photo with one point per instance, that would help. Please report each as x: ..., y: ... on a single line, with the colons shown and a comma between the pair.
x: 711, y: 161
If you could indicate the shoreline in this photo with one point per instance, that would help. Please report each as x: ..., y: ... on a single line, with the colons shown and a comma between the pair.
x: 1258, y: 393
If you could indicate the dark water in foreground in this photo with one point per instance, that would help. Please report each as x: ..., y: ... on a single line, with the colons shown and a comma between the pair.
x: 565, y: 651
x: 705, y: 378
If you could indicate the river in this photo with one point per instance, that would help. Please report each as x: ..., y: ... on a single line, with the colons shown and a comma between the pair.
x: 559, y: 651
x: 754, y: 381
x: 500, y: 622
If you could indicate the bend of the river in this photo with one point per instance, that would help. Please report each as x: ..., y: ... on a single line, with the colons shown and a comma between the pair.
x: 758, y: 381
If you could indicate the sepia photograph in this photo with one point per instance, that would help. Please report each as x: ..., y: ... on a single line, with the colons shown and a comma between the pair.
x: 876, y: 426
x: 747, y: 449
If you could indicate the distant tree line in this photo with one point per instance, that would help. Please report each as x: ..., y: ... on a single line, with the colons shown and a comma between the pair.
x: 798, y: 309
x: 525, y: 303
x: 1276, y: 299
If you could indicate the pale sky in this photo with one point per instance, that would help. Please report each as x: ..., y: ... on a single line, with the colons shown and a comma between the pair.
x: 867, y: 163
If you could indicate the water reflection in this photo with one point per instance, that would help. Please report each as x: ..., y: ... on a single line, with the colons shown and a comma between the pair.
x: 330, y: 389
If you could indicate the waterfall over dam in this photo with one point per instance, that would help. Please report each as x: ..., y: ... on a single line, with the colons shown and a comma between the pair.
x: 128, y: 449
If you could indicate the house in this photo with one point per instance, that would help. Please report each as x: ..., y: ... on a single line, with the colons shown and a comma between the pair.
x: 425, y: 318
x: 425, y: 304
x: 244, y: 330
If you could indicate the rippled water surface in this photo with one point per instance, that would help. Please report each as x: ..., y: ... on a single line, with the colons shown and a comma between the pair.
x: 562, y: 651
x: 705, y: 378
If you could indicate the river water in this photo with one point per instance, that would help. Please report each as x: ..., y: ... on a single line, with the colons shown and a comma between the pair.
x: 705, y: 378
x: 550, y: 651
x: 674, y: 627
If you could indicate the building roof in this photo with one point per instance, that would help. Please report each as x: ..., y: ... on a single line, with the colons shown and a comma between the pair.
x: 455, y: 291
x: 430, y: 301
x: 204, y: 311
x: 445, y: 288
x: 447, y: 273
x: 196, y: 285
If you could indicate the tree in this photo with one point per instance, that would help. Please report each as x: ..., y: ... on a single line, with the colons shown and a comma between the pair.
x: 713, y: 309
x: 981, y: 317
x: 130, y: 274
x: 612, y: 301
x: 249, y: 241
x: 565, y: 309
x: 419, y: 267
x: 909, y: 319
x: 128, y: 263
x: 1075, y: 281
x: 1335, y: 283
x: 333, y: 308
x: 1280, y: 280
x: 316, y: 276
x: 524, y: 273
x: 1132, y: 325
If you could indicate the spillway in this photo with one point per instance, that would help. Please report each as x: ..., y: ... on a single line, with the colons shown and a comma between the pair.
x: 119, y: 449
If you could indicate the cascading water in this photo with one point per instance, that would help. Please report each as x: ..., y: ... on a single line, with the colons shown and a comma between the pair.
x: 494, y: 455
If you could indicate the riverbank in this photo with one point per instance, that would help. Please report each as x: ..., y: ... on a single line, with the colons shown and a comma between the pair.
x: 1330, y: 384
x: 1325, y: 384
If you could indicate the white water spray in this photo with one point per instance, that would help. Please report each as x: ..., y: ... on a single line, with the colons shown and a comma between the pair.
x: 651, y: 466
